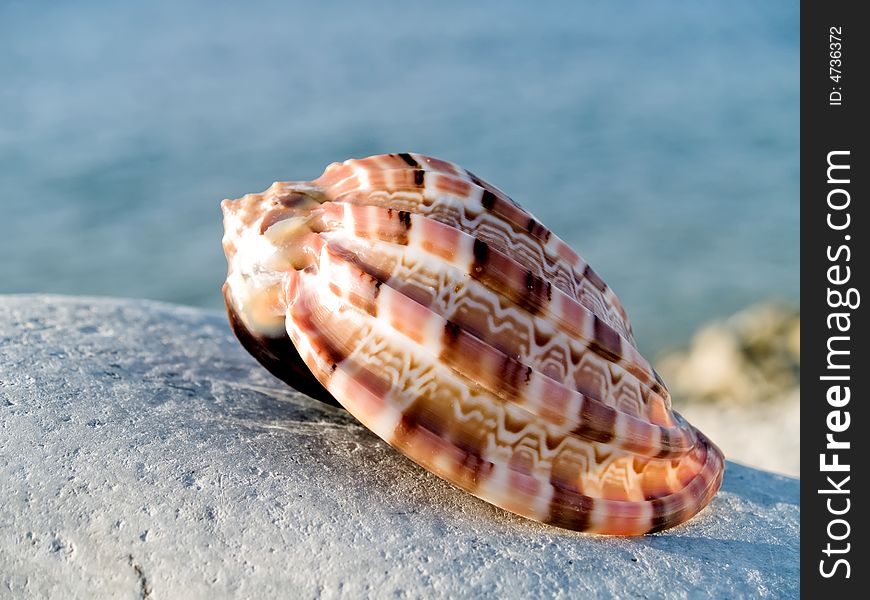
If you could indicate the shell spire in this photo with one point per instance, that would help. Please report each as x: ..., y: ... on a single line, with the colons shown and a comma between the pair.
x: 463, y: 332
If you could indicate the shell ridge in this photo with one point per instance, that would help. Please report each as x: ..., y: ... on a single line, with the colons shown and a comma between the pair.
x: 526, y: 223
x: 638, y: 433
x: 648, y: 384
x: 675, y: 502
x: 496, y: 281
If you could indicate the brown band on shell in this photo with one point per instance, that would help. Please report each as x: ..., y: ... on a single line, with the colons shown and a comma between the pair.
x: 409, y: 160
x: 405, y: 218
x: 537, y: 229
x: 330, y: 353
x: 487, y: 199
x: 660, y: 514
x: 569, y: 510
x: 451, y: 333
x: 597, y: 422
x: 569, y: 507
x: 514, y: 373
x: 481, y: 257
x: 473, y: 463
x: 666, y: 443
x: 536, y: 293
x: 593, y: 278
x: 606, y: 342
x: 419, y: 419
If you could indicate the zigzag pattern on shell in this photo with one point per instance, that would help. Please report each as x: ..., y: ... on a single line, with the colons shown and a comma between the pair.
x: 463, y: 332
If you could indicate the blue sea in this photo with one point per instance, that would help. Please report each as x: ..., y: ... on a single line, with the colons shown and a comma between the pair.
x: 658, y: 138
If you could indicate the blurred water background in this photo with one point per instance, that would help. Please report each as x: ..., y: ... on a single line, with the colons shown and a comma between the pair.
x: 660, y: 139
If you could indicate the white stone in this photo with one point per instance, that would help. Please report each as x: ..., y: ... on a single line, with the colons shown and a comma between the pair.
x: 143, y: 453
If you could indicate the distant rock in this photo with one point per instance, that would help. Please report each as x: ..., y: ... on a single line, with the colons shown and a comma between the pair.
x: 144, y: 454
x: 752, y: 357
x: 739, y: 382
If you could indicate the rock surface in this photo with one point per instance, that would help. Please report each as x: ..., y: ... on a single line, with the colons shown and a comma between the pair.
x: 144, y: 454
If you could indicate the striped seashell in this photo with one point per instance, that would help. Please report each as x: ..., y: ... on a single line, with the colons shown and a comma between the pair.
x: 463, y: 332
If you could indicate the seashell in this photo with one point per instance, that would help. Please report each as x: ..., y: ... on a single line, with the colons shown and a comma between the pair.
x: 468, y: 336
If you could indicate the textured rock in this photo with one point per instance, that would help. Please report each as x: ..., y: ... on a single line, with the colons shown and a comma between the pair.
x: 144, y: 454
